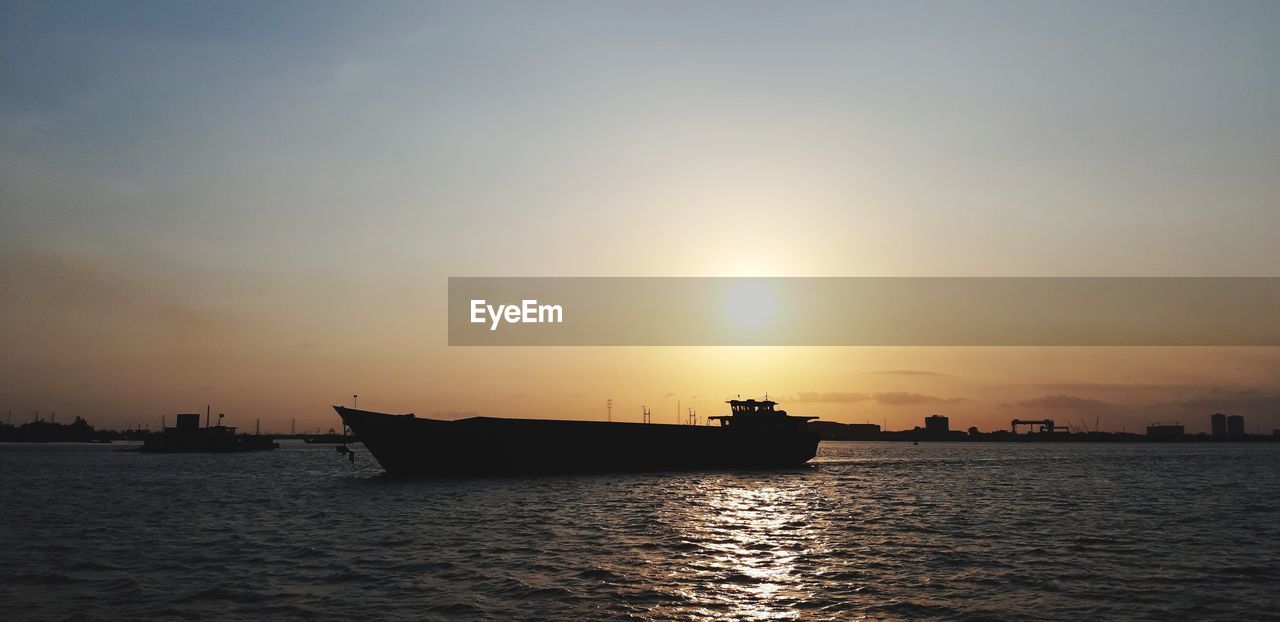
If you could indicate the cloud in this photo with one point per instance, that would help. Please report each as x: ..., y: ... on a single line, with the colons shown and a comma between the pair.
x: 890, y: 398
x: 1244, y: 401
x: 831, y: 397
x: 1188, y: 399
x: 1117, y: 387
x: 907, y: 372
x: 900, y: 398
x: 1066, y: 402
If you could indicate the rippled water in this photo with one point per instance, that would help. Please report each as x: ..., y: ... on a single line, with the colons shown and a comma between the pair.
x: 875, y: 530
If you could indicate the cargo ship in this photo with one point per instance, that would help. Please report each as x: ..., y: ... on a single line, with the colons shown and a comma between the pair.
x: 753, y: 435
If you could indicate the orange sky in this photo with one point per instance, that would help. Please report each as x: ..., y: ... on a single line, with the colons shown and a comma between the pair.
x: 260, y: 210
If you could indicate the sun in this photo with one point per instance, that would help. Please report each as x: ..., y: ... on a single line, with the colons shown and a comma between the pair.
x: 750, y: 304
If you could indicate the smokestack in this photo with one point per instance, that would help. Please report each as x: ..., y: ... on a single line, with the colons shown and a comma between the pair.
x: 206, y: 415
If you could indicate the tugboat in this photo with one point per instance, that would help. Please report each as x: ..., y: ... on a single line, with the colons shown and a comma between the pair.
x: 188, y: 437
x: 752, y: 436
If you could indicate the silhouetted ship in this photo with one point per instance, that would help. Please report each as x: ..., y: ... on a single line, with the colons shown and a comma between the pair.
x: 753, y: 435
x: 188, y: 437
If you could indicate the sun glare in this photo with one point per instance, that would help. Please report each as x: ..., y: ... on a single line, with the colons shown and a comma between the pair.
x: 750, y: 304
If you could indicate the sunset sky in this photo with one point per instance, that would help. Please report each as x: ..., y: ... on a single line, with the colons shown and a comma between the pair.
x: 257, y: 205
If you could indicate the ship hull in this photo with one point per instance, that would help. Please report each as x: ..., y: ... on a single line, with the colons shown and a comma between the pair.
x: 189, y: 443
x: 408, y: 445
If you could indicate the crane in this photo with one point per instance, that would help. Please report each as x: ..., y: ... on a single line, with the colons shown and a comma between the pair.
x: 1046, y: 425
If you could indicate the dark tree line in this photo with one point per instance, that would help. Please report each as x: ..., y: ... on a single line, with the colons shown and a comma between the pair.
x: 78, y: 431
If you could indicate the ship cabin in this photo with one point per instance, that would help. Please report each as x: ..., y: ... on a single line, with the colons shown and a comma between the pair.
x: 188, y: 424
x: 755, y: 410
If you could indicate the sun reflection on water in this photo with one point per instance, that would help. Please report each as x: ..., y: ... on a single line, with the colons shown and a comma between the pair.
x: 750, y: 539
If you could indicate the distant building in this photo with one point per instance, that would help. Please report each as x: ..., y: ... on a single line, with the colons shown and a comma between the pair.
x: 1165, y: 430
x: 937, y: 424
x: 1218, y: 424
x: 1235, y: 425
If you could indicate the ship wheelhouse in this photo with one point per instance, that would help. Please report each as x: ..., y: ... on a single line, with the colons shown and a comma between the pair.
x: 753, y: 411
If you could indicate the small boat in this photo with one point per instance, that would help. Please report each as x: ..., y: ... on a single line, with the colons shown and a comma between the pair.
x: 188, y: 437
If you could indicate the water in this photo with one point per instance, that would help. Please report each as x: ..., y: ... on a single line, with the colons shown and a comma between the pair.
x: 874, y: 530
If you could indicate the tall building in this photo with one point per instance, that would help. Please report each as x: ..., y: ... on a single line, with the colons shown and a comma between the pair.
x: 936, y: 424
x: 1235, y: 425
x: 1218, y: 424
